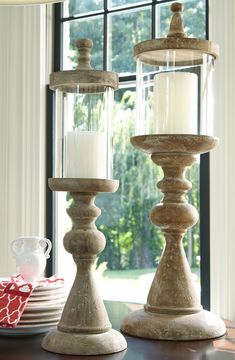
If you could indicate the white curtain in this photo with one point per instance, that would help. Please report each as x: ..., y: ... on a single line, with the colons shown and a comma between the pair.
x: 222, y: 31
x: 23, y: 74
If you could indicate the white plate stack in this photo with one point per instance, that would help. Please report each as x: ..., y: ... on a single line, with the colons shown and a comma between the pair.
x: 42, y: 312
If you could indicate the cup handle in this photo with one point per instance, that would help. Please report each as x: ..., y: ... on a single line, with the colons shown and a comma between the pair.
x: 46, y: 242
x: 14, y: 244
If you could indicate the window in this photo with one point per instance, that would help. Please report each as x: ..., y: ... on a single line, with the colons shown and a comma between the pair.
x: 134, y: 245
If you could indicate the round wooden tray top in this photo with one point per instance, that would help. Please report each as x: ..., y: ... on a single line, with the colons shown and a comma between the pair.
x: 89, y: 81
x: 190, y: 144
x: 176, y: 48
x: 83, y: 185
x: 187, y: 51
x: 84, y: 79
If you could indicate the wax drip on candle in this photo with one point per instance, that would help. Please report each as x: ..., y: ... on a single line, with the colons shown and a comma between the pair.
x: 176, y: 26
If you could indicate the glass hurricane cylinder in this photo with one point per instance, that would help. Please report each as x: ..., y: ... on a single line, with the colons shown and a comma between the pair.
x: 174, y: 87
x: 84, y: 129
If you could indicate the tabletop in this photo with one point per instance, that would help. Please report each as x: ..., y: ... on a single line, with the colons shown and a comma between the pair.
x: 29, y: 348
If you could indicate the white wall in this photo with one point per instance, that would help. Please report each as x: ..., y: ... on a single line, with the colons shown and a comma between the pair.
x: 222, y: 31
x: 23, y: 39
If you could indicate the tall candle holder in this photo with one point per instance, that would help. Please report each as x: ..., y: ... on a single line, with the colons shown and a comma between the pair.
x: 173, y: 310
x: 173, y: 104
x: 84, y: 328
x: 83, y: 167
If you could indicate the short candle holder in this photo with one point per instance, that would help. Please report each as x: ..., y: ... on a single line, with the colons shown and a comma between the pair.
x: 84, y: 328
x: 173, y: 310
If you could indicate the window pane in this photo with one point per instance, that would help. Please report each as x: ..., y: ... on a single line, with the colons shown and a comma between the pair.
x: 125, y: 30
x: 116, y: 3
x: 75, y: 7
x: 133, y: 244
x: 194, y: 16
x: 91, y: 28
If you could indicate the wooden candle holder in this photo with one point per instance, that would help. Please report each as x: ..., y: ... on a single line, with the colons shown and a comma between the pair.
x: 84, y: 328
x: 173, y: 310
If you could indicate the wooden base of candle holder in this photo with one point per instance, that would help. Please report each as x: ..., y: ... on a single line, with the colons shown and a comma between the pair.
x: 173, y: 310
x: 84, y: 328
x: 198, y: 326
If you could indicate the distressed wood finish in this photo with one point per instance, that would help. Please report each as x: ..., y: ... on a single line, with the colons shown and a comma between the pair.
x: 68, y: 80
x: 88, y: 80
x: 28, y: 348
x: 176, y: 25
x: 84, y: 49
x: 174, y: 216
x: 189, y: 144
x: 173, y: 310
x: 156, y: 51
x: 84, y: 328
x: 83, y: 185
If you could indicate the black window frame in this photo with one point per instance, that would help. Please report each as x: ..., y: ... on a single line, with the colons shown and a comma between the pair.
x: 204, y: 159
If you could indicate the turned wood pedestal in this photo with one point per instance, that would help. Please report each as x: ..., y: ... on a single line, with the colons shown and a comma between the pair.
x: 173, y: 310
x: 84, y: 328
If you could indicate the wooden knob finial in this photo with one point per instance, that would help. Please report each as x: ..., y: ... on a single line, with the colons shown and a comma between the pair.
x: 176, y: 25
x: 177, y: 7
x: 84, y: 49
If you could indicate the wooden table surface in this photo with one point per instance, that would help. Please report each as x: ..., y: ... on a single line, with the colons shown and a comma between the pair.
x: 28, y: 348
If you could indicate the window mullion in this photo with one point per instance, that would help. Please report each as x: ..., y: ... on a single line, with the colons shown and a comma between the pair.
x: 58, y: 37
x: 105, y: 55
x: 153, y: 20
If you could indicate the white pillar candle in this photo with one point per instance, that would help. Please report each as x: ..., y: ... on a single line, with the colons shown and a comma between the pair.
x: 176, y: 103
x: 85, y: 155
